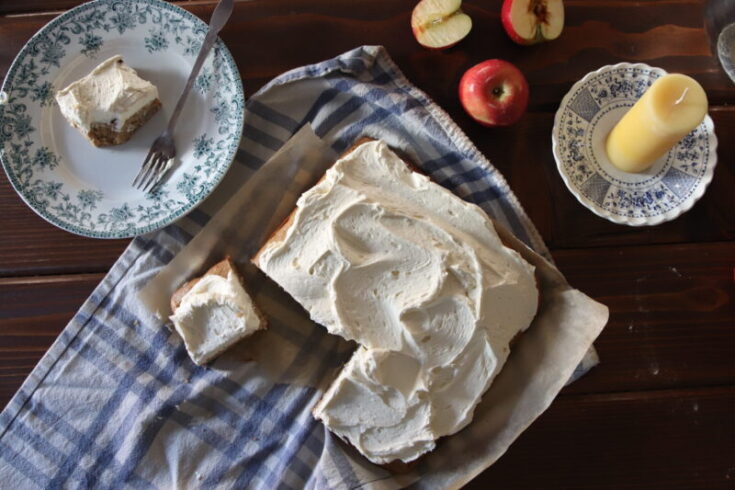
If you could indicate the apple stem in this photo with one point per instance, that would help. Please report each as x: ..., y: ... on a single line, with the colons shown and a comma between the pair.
x: 497, y: 91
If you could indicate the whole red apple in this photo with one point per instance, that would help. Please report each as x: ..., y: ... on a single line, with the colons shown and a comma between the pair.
x: 533, y: 21
x: 494, y: 93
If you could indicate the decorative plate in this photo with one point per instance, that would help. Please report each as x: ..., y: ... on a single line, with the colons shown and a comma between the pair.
x: 87, y: 190
x: 587, y: 115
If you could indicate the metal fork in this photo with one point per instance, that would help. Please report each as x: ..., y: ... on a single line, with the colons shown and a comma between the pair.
x: 163, y: 149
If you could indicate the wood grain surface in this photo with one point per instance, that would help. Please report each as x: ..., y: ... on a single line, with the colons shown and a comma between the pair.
x: 674, y: 440
x: 522, y: 153
x: 657, y: 412
x: 25, y: 7
x: 33, y: 311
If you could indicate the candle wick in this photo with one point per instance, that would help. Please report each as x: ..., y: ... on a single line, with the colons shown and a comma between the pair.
x: 683, y: 95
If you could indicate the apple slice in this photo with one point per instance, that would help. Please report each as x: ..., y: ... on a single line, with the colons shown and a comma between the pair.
x: 494, y: 93
x: 533, y: 21
x: 439, y: 24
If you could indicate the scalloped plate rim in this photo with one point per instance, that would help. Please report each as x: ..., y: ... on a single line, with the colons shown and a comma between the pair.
x: 670, y: 215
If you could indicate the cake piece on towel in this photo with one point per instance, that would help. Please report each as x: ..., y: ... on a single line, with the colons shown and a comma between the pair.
x: 110, y: 104
x: 213, y: 312
x: 381, y: 255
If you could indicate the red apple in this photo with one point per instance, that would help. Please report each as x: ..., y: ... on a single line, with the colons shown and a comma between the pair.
x: 533, y: 21
x: 439, y: 24
x: 494, y: 93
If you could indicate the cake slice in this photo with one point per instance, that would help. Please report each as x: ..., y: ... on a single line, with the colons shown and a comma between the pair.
x: 379, y: 254
x: 110, y: 104
x: 213, y: 312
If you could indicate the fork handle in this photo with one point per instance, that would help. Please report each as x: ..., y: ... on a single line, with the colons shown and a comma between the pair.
x: 219, y: 18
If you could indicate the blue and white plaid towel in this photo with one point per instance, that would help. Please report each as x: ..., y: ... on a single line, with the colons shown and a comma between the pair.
x: 116, y: 402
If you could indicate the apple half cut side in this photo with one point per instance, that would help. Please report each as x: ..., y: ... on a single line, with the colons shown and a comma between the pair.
x: 533, y: 21
x: 439, y: 24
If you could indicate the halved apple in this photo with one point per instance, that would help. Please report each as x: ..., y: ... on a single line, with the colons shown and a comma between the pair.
x: 533, y: 21
x: 439, y: 24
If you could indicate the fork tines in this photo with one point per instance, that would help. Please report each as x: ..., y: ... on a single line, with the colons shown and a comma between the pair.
x: 151, y: 171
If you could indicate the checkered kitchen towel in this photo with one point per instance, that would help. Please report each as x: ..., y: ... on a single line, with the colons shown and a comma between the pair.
x: 116, y: 402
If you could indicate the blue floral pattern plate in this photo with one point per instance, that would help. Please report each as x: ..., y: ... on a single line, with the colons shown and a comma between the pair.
x: 586, y: 116
x: 87, y: 190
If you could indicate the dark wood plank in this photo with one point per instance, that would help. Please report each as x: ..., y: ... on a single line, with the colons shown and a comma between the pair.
x: 523, y: 154
x: 16, y: 7
x: 27, y: 6
x: 671, y: 439
x: 583, y: 441
x: 665, y: 34
x: 33, y: 246
x: 596, y: 33
x: 33, y: 312
x: 16, y: 30
x: 672, y: 312
x: 672, y: 304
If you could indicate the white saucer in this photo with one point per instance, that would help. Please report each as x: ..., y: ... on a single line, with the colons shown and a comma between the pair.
x: 587, y: 114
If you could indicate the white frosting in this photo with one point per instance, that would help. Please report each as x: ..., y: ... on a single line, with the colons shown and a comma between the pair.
x: 213, y: 315
x: 383, y: 256
x: 112, y: 92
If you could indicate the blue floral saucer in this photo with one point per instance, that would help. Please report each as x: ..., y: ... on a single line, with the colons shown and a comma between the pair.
x: 586, y: 116
x: 87, y: 190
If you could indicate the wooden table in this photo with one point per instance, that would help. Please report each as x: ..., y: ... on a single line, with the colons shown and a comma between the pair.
x: 659, y: 412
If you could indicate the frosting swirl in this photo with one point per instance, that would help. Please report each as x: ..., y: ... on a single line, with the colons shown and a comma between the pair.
x: 418, y: 277
x: 110, y: 94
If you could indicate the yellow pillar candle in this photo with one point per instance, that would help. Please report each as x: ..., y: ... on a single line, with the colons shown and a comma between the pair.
x: 673, y: 106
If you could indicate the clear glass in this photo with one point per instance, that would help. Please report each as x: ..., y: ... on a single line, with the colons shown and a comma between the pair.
x: 719, y: 22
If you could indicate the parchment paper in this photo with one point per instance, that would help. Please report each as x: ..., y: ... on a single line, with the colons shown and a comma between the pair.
x: 542, y: 360
x: 247, y: 219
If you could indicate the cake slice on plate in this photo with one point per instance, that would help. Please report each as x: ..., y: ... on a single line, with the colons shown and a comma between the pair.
x: 110, y: 104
